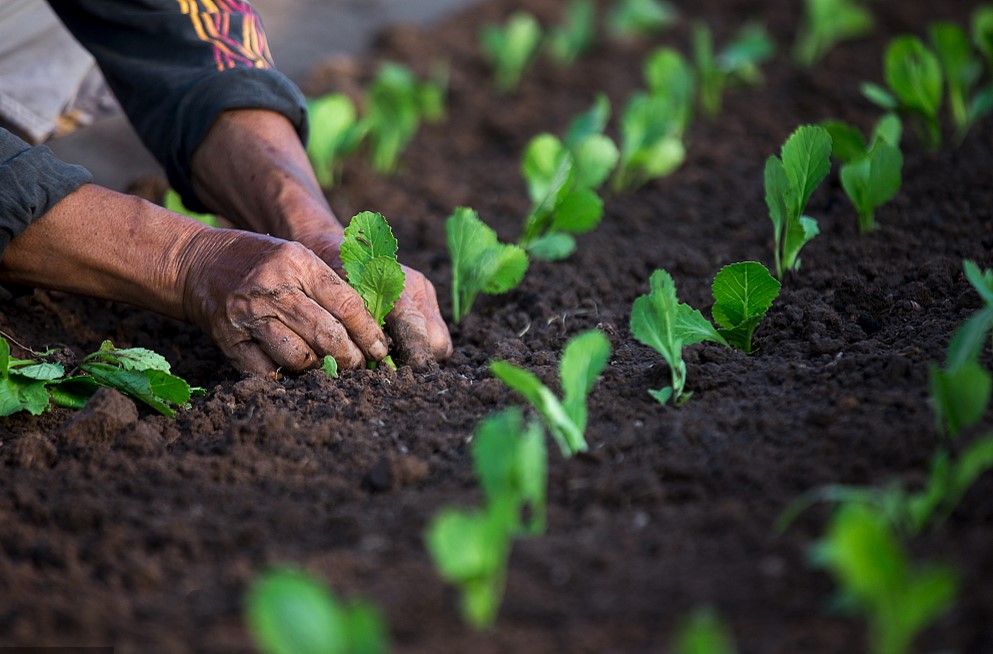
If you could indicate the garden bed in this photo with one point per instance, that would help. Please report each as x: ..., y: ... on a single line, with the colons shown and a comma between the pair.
x: 143, y: 532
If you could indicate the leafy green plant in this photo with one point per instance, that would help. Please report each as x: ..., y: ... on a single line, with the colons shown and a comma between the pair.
x: 480, y: 263
x: 174, y: 203
x: 660, y: 321
x: 510, y: 49
x: 915, y: 84
x: 583, y: 358
x: 789, y: 183
x: 29, y: 385
x: 704, y: 633
x: 511, y: 463
x: 982, y: 32
x: 848, y: 144
x: 876, y: 576
x: 826, y: 23
x: 743, y: 293
x: 335, y: 132
x: 396, y: 104
x: 330, y: 366
x: 576, y: 35
x: 631, y: 19
x: 667, y: 74
x: 369, y: 257
x: 962, y: 70
x: 738, y: 61
x: 872, y: 181
x: 290, y: 612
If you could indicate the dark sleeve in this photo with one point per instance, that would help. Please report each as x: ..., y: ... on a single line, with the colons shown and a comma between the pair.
x: 32, y: 181
x: 175, y: 65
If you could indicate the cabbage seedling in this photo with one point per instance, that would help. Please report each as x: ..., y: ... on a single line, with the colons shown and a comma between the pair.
x: 335, y: 132
x: 660, y: 321
x: 582, y: 361
x: 570, y: 40
x: 511, y: 49
x: 704, y: 633
x: 913, y: 75
x: 876, y: 576
x: 962, y: 70
x: 651, y: 141
x: 872, y: 181
x: 330, y: 366
x: 631, y: 19
x: 668, y: 75
x: 480, y: 263
x: 738, y: 61
x: 743, y: 292
x: 174, y: 203
x: 290, y: 612
x: 826, y: 23
x: 789, y: 183
x: 848, y: 144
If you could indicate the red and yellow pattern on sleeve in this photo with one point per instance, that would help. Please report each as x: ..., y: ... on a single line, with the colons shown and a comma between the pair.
x: 215, y: 20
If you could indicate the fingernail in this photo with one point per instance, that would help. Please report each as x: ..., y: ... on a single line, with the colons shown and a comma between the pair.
x: 379, y: 349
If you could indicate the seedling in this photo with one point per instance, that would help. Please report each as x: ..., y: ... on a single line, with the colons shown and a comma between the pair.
x: 848, y: 144
x: 704, y: 633
x: 660, y: 321
x: 511, y: 49
x: 876, y: 577
x: 575, y: 37
x: 512, y: 467
x: 668, y: 75
x: 743, y: 293
x: 962, y: 70
x: 583, y: 359
x: 330, y: 367
x: 632, y: 19
x: 789, y: 183
x: 369, y: 257
x: 480, y: 263
x: 651, y: 140
x: 827, y: 23
x: 290, y: 612
x: 335, y: 133
x: 174, y: 203
x: 913, y: 75
x: 738, y: 61
x: 982, y: 32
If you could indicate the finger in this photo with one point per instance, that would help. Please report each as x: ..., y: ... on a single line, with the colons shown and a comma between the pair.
x: 438, y: 335
x: 344, y: 303
x: 248, y: 358
x: 409, y: 329
x: 282, y: 344
x: 322, y: 332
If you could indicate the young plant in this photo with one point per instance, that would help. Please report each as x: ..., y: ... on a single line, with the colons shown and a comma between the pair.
x: 704, y: 633
x: 511, y: 49
x: 982, y: 32
x: 632, y: 19
x: 915, y: 83
x: 738, y: 61
x: 667, y: 74
x: 582, y: 361
x: 335, y: 132
x: 480, y: 263
x: 962, y: 70
x: 174, y: 203
x: 789, y: 183
x: 848, y: 144
x: 575, y: 37
x: 511, y: 463
x: 290, y: 612
x: 660, y: 321
x: 24, y: 383
x: 876, y: 576
x: 827, y: 23
x: 330, y: 366
x: 743, y: 293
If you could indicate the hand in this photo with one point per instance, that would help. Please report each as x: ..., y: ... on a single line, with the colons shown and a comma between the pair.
x: 271, y: 304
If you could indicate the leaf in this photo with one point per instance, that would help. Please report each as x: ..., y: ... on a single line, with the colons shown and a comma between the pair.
x: 960, y: 396
x: 511, y: 48
x: 22, y: 395
x: 579, y: 212
x: 847, y: 143
x: 547, y: 169
x: 914, y: 74
x: 777, y: 187
x: 133, y: 358
x: 636, y: 18
x: 367, y: 236
x: 335, y: 132
x: 890, y: 129
x: 981, y: 281
x: 806, y: 157
x: 982, y: 31
x: 667, y: 72
x: 663, y: 395
x: 751, y: 46
x: 879, y: 96
x: 168, y: 388
x: 73, y: 392
x: 330, y: 366
x: 744, y: 292
x: 132, y: 383
x: 40, y: 371
x: 289, y: 612
x: 583, y: 359
x: 594, y: 159
x: 380, y: 283
x: 873, y: 180
x: 566, y: 433
x: 704, y: 633
x: 969, y: 338
x: 172, y: 202
x: 590, y: 123
x: 552, y: 247
x: 578, y: 33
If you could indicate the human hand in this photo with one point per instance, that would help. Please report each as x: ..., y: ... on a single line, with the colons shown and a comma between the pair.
x: 271, y: 304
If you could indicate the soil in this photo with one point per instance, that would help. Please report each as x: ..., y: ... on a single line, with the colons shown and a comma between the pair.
x: 122, y: 527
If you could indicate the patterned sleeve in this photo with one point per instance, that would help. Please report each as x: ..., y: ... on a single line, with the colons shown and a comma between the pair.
x: 175, y: 65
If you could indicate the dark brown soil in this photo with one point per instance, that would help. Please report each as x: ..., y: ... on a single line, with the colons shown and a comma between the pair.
x: 135, y: 530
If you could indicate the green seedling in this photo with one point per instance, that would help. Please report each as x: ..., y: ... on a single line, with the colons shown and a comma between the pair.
x: 576, y: 36
x: 789, y: 183
x: 174, y: 203
x: 480, y: 263
x: 962, y: 70
x: 915, y: 83
x: 873, y: 180
x: 827, y: 23
x: 396, y: 104
x: 877, y: 578
x: 704, y: 633
x: 290, y: 612
x: 330, y: 366
x: 632, y: 19
x: 848, y: 144
x: 335, y: 133
x: 652, y: 129
x: 660, y: 321
x: 470, y: 549
x: 982, y: 32
x: 743, y: 293
x: 511, y: 49
x: 24, y: 383
x: 668, y: 75
x: 582, y: 361
x: 738, y: 61
x: 512, y: 467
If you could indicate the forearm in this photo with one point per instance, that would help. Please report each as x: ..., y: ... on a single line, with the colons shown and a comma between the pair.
x: 104, y: 244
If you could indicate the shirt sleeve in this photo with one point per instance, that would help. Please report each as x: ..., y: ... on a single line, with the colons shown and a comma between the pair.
x: 32, y: 181
x: 175, y: 65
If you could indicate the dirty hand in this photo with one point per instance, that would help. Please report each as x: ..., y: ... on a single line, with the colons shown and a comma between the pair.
x: 271, y: 304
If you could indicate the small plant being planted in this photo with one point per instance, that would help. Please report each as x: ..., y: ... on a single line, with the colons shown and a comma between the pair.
x: 583, y: 358
x: 825, y: 24
x: 510, y: 49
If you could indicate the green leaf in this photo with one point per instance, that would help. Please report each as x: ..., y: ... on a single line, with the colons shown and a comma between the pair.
x: 982, y: 31
x: 663, y: 395
x: 960, y: 396
x: 578, y: 212
x: 564, y: 430
x: 133, y: 383
x: 289, y: 612
x: 890, y: 129
x: 168, y: 388
x: 73, y: 392
x: 750, y: 47
x: 827, y: 23
x: 368, y: 254
x: 393, y: 114
x: 594, y: 159
x: 547, y: 169
x: 41, y: 371
x: 576, y: 35
x: 380, y: 283
x: 847, y: 143
x: 133, y: 358
x: 982, y: 281
x: 511, y: 49
x: 552, y: 247
x: 637, y: 18
x: 744, y: 292
x: 174, y: 203
x: 330, y: 366
x: 806, y: 157
x: 335, y: 132
x: 4, y: 357
x: 704, y: 633
x: 19, y: 394
x: 969, y: 338
x: 879, y: 96
x: 873, y: 180
x: 914, y: 75
x: 777, y: 188
x: 651, y: 139
x: 582, y: 362
x: 589, y: 123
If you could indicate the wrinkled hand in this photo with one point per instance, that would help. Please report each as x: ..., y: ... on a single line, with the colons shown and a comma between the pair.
x: 415, y: 323
x: 271, y: 304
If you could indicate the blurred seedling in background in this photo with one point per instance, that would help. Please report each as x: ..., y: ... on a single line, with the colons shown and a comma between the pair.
x: 335, y: 133
x: 633, y: 19
x: 576, y: 35
x: 826, y: 23
x: 738, y: 61
x: 174, y: 203
x: 511, y: 48
x: 962, y: 69
x: 704, y: 633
